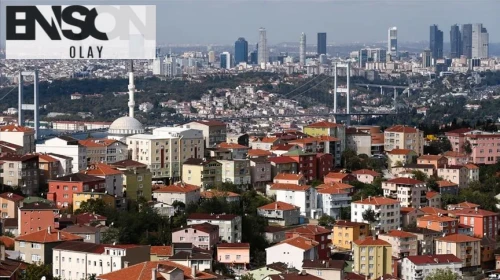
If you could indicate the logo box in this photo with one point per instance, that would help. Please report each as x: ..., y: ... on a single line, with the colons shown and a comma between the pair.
x: 81, y: 32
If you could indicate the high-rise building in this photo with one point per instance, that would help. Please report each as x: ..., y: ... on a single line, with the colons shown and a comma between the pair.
x: 427, y: 58
x: 321, y: 43
x: 467, y: 40
x: 372, y: 55
x: 455, y: 42
x: 480, y: 41
x: 263, y: 56
x: 392, y: 41
x: 225, y: 60
x: 436, y: 42
x: 363, y: 57
x: 211, y: 57
x: 158, y: 66
x: 240, y: 51
x: 302, y: 49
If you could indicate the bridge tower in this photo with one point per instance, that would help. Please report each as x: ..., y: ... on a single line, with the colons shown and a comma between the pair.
x: 346, y: 89
x: 29, y: 107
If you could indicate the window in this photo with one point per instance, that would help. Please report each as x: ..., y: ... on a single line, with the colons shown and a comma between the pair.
x: 87, y: 237
x: 35, y: 258
x: 22, y: 244
x: 36, y: 245
x: 227, y: 257
x: 238, y: 257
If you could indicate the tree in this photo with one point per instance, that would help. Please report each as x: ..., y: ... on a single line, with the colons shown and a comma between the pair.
x: 369, y: 216
x: 441, y: 274
x: 467, y: 147
x: 37, y: 271
x: 247, y: 277
x: 97, y: 206
x: 326, y: 220
x: 419, y: 175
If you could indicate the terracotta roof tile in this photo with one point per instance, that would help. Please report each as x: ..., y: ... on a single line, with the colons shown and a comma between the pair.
x: 369, y: 241
x: 310, y: 229
x: 432, y: 259
x: 400, y: 152
x: 43, y: 236
x: 401, y: 128
x: 367, y: 172
x: 161, y: 250
x: 279, y: 205
x: 291, y: 187
x: 282, y: 160
x: 216, y: 193
x: 471, y: 212
x: 288, y: 176
x: 11, y: 196
x: 233, y: 245
x: 180, y: 188
x: 15, y: 128
x: 258, y: 153
x: 433, y: 210
x: 404, y: 181
x: 345, y: 223
x: 454, y: 154
x: 458, y: 238
x: 95, y: 143
x: 335, y: 185
x: 431, y: 194
x: 232, y: 146
x: 400, y: 234
x: 102, y: 169
x: 300, y: 242
x: 436, y: 218
x: 324, y: 124
x: 337, y: 175
x: 430, y: 157
x: 377, y: 200
x: 444, y: 184
x: 325, y: 138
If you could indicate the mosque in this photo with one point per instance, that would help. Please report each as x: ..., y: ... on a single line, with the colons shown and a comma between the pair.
x: 128, y: 125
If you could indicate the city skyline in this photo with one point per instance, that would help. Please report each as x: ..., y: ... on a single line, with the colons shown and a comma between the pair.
x: 406, y: 15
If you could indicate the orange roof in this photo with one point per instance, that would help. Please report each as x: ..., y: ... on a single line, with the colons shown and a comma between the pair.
x: 335, y: 185
x: 468, y: 205
x: 471, y: 212
x: 324, y: 124
x: 407, y: 209
x: 443, y: 184
x: 454, y: 154
x: 161, y: 250
x: 310, y: 229
x: 283, y: 147
x: 142, y: 271
x: 232, y: 146
x: 300, y: 242
x: 101, y: 169
x: 289, y: 187
x: 401, y: 128
x: 371, y: 242
x: 11, y: 196
x: 400, y: 233
x: 430, y: 157
x: 433, y: 211
x: 269, y: 140
x: 258, y: 153
x: 216, y: 193
x: 279, y: 205
x: 180, y: 188
x: 15, y: 128
x: 46, y: 158
x: 332, y: 190
x: 400, y: 152
x: 43, y: 236
x: 404, y: 181
x: 97, y: 142
x: 7, y: 241
x: 431, y: 194
x: 377, y: 200
x: 337, y: 175
x: 436, y: 218
x: 377, y: 138
x: 288, y: 176
x: 458, y: 238
x: 367, y: 172
x: 471, y: 166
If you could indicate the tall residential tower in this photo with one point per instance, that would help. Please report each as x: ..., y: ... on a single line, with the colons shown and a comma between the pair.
x: 302, y: 49
x: 240, y: 51
x: 455, y: 42
x: 263, y: 56
x: 480, y: 41
x: 436, y: 42
x: 392, y: 41
x: 467, y: 40
x: 321, y: 43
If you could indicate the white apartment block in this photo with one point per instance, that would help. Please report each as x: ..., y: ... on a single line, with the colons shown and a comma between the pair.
x: 419, y: 267
x: 66, y: 165
x: 331, y: 200
x: 387, y: 211
x: 184, y: 193
x: 229, y: 225
x: 304, y: 197
x: 19, y: 135
x: 236, y: 171
x: 166, y: 149
x: 66, y: 146
x: 457, y: 174
x: 79, y: 260
x: 409, y: 192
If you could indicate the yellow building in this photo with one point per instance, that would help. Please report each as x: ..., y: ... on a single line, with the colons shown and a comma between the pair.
x: 372, y: 257
x: 465, y: 247
x: 205, y: 174
x: 346, y: 232
x: 78, y: 198
x: 404, y: 137
x: 400, y: 157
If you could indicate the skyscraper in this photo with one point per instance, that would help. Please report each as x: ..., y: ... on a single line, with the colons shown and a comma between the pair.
x: 467, y: 40
x: 455, y: 42
x: 436, y: 42
x: 225, y: 60
x: 321, y: 43
x: 263, y: 56
x: 240, y: 51
x: 480, y: 41
x: 302, y: 49
x: 427, y: 58
x: 392, y: 41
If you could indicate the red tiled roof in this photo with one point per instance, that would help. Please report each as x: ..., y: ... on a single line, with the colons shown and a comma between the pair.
x: 400, y: 234
x: 310, y: 229
x: 279, y: 205
x: 459, y: 131
x: 7, y: 241
x: 43, y: 236
x: 291, y: 187
x: 325, y: 138
x: 335, y: 185
x: 11, y: 196
x: 458, y: 238
x: 401, y: 128
x: 344, y: 223
x: 432, y: 259
x: 471, y: 166
x: 300, y: 242
x: 430, y: 157
x: 404, y: 181
x: 367, y: 172
x: 269, y: 140
x: 332, y: 190
x: 377, y: 200
x: 282, y: 147
x: 468, y: 205
x: 471, y: 212
x: 324, y: 124
x: 303, y: 140
x: 337, y: 175
x: 371, y: 242
x: 400, y: 152
x: 454, y: 154
x: 288, y: 176
x: 15, y: 128
x: 225, y: 145
x: 233, y: 245
x: 436, y: 218
x: 258, y: 153
x: 101, y: 169
x: 180, y: 188
x: 95, y: 143
x: 431, y: 194
x: 433, y: 210
x: 216, y: 193
x: 404, y: 210
x: 46, y: 158
x: 161, y: 250
x: 282, y: 159
x: 443, y: 184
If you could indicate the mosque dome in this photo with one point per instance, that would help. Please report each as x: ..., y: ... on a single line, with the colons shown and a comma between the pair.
x: 125, y: 126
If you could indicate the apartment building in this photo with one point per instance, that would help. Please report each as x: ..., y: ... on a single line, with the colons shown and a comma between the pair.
x: 185, y: 193
x: 79, y: 260
x: 483, y: 222
x: 473, y: 172
x: 302, y: 196
x: 214, y: 132
x: 137, y: 179
x: 447, y: 187
x: 281, y: 213
x: 265, y: 143
x: 230, y: 197
x: 409, y: 192
x: 292, y: 252
x: 204, y: 173
x: 104, y: 150
x: 90, y: 234
x: 32, y: 217
x: 112, y: 176
x: 404, y: 137
x: 456, y: 158
x: 10, y: 203
x: 325, y: 128
x: 425, y: 239
x: 387, y: 210
x: 372, y: 257
x: 403, y: 243
x: 19, y: 135
x: 290, y: 178
x: 66, y: 163
x: 457, y: 174
x: 80, y: 197
x: 330, y: 269
x: 166, y: 149
x: 61, y: 190
x: 466, y: 248
x: 419, y: 267
x: 21, y: 171
x: 234, y: 255
x: 316, y: 233
x: 260, y: 172
x: 307, y: 164
x: 358, y: 141
x: 203, y: 236
x: 400, y: 157
x: 346, y: 232
x: 283, y: 164
x: 237, y: 151
x: 50, y: 168
x: 36, y: 247
x: 331, y: 200
x: 66, y: 146
x: 483, y: 145
x: 236, y: 171
x: 439, y: 222
x: 436, y: 160
x: 366, y: 176
x: 230, y: 226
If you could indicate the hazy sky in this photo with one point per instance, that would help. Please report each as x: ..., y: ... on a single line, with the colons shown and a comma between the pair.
x: 223, y: 21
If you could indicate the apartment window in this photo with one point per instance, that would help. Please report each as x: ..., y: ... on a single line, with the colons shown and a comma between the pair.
x: 87, y: 237
x: 4, y: 205
x: 36, y: 246
x: 238, y: 257
x: 35, y: 258
x: 22, y: 244
x: 227, y: 257
x: 139, y: 178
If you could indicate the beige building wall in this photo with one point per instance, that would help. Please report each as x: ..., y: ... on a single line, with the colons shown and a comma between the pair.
x: 469, y: 252
x: 374, y: 261
x: 401, y: 140
x: 9, y: 208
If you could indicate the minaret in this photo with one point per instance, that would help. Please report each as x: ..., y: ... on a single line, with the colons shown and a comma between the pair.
x: 131, y: 89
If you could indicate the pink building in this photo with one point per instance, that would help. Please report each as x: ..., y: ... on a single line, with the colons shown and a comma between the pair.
x: 289, y: 178
x: 365, y: 175
x: 456, y: 158
x: 234, y: 255
x: 484, y: 146
x: 204, y: 235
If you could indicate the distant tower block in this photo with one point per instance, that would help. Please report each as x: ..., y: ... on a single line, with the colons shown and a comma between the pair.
x: 29, y: 107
